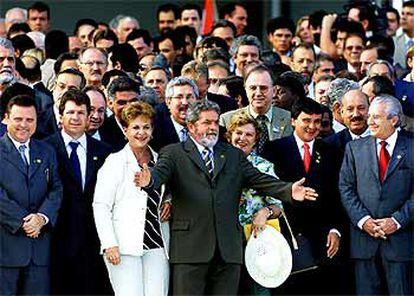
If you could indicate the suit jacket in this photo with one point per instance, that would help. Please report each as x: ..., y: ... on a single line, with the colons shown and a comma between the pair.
x: 399, y: 54
x: 39, y: 86
x: 363, y: 194
x: 339, y: 140
x: 280, y: 123
x: 75, y: 229
x: 164, y: 131
x: 112, y: 134
x: 22, y: 191
x: 206, y: 208
x: 313, y: 219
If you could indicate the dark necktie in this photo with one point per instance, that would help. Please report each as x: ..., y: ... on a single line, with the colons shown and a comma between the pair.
x: 183, y: 134
x: 384, y: 159
x: 208, y: 160
x: 264, y: 137
x: 22, y: 149
x: 306, y: 157
x: 74, y: 159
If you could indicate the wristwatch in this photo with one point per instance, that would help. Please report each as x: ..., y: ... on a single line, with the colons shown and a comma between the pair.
x: 269, y: 212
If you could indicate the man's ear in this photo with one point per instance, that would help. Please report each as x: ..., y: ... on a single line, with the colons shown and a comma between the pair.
x: 110, y: 104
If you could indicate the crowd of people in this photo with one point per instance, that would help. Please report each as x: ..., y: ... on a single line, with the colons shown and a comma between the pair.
x: 133, y: 164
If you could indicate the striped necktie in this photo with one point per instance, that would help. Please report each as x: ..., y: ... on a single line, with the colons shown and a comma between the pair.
x: 208, y: 160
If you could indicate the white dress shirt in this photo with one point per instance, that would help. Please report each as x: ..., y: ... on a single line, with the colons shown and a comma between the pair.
x: 178, y: 129
x: 81, y: 151
x: 366, y: 133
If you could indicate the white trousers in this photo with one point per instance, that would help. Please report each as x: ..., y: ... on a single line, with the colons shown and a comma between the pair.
x: 146, y: 275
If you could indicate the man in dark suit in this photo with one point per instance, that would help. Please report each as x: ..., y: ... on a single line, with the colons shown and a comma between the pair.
x: 169, y: 125
x: 354, y: 112
x: 303, y: 156
x: 121, y: 92
x: 77, y: 267
x: 206, y: 178
x: 30, y: 197
x: 376, y: 185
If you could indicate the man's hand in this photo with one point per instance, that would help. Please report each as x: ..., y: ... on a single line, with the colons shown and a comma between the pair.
x: 372, y: 227
x: 143, y: 178
x: 332, y: 243
x: 113, y: 255
x: 387, y: 225
x: 165, y: 211
x: 328, y: 20
x: 300, y: 192
x: 32, y: 224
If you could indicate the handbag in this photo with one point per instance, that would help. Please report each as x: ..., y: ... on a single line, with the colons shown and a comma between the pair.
x: 302, y: 254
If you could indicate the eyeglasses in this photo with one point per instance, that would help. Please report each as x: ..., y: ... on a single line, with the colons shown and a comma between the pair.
x: 350, y: 47
x: 216, y: 80
x: 98, y: 63
x: 180, y: 98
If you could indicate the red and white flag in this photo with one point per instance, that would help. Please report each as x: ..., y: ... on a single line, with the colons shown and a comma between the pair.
x: 209, y: 16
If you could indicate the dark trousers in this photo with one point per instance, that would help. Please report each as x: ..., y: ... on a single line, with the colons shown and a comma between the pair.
x: 378, y: 276
x: 213, y: 278
x: 28, y: 280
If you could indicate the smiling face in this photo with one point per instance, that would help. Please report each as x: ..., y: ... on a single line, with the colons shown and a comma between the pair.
x: 178, y: 104
x: 354, y: 111
x: 307, y: 126
x: 380, y: 124
x: 98, y: 107
x: 260, y: 91
x: 139, y: 132
x: 93, y: 66
x: 74, y: 119
x: 244, y: 137
x: 21, y: 122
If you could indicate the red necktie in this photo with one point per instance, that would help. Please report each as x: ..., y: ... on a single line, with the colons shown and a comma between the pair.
x: 384, y: 159
x: 306, y: 157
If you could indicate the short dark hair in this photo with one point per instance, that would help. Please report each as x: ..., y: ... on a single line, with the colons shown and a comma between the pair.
x: 75, y: 72
x: 18, y: 27
x: 22, y: 101
x: 82, y: 22
x: 280, y: 22
x: 291, y: 83
x: 122, y: 84
x: 187, y: 31
x: 76, y: 96
x: 229, y: 8
x: 385, y: 46
x: 315, y: 18
x: 126, y: 55
x: 304, y: 46
x: 191, y: 6
x: 15, y: 90
x: 66, y: 56
x: 111, y: 73
x: 305, y: 105
x: 168, y: 7
x: 210, y: 42
x: 393, y: 10
x: 235, y: 88
x: 224, y: 24
x: 39, y: 6
x: 107, y: 34
x: 22, y: 43
x: 350, y: 27
x: 140, y: 33
x: 176, y: 38
x: 408, y: 4
x: 381, y: 85
x: 216, y: 54
x: 32, y: 70
x: 56, y: 43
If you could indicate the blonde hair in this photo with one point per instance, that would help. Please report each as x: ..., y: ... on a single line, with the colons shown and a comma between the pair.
x: 239, y: 119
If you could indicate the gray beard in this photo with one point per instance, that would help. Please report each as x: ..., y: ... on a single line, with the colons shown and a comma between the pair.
x: 6, y: 78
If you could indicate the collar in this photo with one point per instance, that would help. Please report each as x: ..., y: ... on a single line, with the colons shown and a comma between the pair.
x: 268, y: 114
x: 200, y: 147
x: 119, y: 124
x: 366, y: 133
x: 391, y: 140
x: 178, y: 127
x: 67, y: 139
x: 406, y: 38
x: 300, y: 143
x: 17, y: 144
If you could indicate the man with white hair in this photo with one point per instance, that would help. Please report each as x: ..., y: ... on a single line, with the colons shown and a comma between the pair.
x: 123, y: 25
x: 38, y: 39
x: 15, y: 15
x: 7, y: 64
x: 337, y: 89
x: 376, y: 185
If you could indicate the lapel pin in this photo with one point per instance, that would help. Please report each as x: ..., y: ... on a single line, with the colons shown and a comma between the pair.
x: 222, y: 156
x: 95, y: 158
x: 37, y: 160
x: 399, y: 156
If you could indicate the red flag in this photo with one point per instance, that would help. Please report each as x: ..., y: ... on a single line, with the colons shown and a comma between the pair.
x: 209, y: 16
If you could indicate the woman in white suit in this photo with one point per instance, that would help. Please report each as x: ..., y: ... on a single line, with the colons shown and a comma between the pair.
x: 133, y: 239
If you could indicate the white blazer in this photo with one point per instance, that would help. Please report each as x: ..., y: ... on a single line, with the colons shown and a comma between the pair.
x: 119, y: 207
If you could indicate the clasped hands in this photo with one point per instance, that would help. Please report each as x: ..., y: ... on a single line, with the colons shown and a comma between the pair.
x: 380, y: 228
x: 32, y: 224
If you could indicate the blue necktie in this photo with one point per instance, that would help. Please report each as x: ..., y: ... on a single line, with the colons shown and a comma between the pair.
x: 22, y: 149
x: 74, y: 159
x: 183, y: 135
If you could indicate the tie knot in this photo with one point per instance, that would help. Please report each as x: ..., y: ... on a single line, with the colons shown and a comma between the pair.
x: 306, y: 146
x: 383, y: 144
x: 22, y: 148
x: 206, y: 152
x: 74, y: 145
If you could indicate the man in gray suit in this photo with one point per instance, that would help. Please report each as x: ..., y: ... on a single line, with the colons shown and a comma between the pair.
x: 376, y: 185
x: 406, y: 40
x: 274, y: 121
x: 206, y: 179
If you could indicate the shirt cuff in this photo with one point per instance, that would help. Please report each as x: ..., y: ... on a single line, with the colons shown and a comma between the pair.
x: 44, y: 217
x: 362, y: 221
x: 396, y: 222
x: 333, y: 230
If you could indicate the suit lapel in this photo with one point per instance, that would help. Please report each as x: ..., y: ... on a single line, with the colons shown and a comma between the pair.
x: 13, y: 156
x: 219, y: 159
x: 91, y: 160
x: 296, y: 159
x: 372, y: 158
x: 398, y: 155
x: 195, y: 156
x: 36, y: 159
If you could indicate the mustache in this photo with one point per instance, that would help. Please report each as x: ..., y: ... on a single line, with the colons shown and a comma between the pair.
x: 357, y: 118
x: 211, y: 133
x: 6, y: 69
